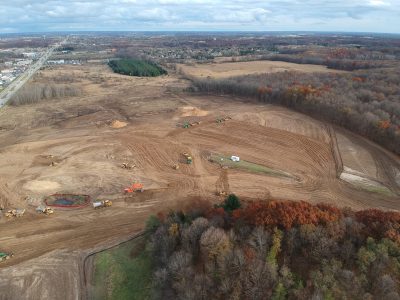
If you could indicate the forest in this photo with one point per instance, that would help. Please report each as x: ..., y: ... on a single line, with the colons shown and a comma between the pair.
x: 136, y: 67
x: 274, y: 250
x: 366, y: 102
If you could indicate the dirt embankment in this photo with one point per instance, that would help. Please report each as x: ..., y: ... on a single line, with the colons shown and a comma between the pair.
x: 69, y: 147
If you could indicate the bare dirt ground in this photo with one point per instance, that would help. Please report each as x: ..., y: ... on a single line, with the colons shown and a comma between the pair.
x: 230, y: 69
x: 77, y: 134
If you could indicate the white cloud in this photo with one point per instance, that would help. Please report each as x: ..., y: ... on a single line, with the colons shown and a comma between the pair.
x: 378, y: 3
x: 330, y: 15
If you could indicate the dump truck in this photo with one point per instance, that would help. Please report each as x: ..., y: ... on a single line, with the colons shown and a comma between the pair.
x: 44, y: 210
x: 5, y: 256
x: 135, y: 187
x: 101, y: 204
x: 15, y: 213
x: 188, y: 157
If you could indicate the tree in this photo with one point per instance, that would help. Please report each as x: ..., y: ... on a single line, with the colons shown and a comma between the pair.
x: 231, y: 203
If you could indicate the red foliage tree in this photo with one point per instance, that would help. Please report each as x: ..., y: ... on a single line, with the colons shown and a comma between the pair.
x: 379, y: 224
x: 286, y: 214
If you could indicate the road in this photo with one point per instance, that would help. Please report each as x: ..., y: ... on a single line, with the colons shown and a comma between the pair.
x: 14, y: 86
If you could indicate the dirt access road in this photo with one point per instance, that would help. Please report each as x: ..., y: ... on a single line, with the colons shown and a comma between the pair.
x: 77, y: 134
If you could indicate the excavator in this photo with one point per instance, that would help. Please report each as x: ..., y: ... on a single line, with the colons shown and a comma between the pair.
x: 135, y: 187
x: 5, y: 256
x: 188, y: 157
x: 15, y: 213
x: 45, y: 210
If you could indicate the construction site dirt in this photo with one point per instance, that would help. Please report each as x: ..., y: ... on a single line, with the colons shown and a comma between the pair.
x: 76, y: 134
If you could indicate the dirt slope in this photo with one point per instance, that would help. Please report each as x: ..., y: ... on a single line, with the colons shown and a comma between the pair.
x: 77, y: 135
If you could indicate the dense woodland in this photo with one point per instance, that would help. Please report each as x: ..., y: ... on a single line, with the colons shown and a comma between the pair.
x: 338, y: 63
x: 366, y: 101
x: 136, y: 67
x: 275, y: 250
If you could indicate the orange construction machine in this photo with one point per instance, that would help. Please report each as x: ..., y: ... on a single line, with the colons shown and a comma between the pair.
x: 135, y: 187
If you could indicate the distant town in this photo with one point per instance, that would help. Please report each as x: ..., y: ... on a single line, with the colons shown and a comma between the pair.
x: 15, y: 61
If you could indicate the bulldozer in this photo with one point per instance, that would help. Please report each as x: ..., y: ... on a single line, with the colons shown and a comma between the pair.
x: 15, y: 213
x: 135, y: 187
x: 44, y: 210
x: 223, y: 119
x: 102, y: 204
x: 128, y: 166
x: 221, y: 193
x: 189, y: 159
x: 5, y: 256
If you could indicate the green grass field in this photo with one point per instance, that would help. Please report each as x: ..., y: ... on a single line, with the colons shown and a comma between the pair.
x: 383, y: 190
x: 247, y: 166
x: 123, y: 272
x: 136, y: 67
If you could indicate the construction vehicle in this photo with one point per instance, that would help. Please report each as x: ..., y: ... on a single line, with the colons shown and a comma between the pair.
x: 15, y: 213
x: 128, y: 166
x: 101, y: 204
x: 44, y: 210
x: 175, y: 167
x: 221, y: 193
x: 188, y: 157
x: 223, y: 119
x: 135, y: 187
x: 5, y: 256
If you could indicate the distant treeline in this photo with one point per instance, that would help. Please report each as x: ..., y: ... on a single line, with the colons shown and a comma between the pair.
x: 366, y: 102
x: 274, y: 250
x: 66, y: 48
x: 33, y: 93
x: 338, y: 64
x: 136, y: 67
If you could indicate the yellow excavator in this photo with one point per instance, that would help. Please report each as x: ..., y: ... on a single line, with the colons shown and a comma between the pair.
x: 189, y: 159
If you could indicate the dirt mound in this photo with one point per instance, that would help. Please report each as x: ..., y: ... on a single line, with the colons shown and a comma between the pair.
x: 191, y: 111
x: 41, y: 186
x: 118, y: 124
x: 7, y: 197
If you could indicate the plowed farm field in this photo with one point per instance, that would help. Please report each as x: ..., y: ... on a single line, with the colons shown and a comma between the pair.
x: 231, y: 69
x: 71, y: 146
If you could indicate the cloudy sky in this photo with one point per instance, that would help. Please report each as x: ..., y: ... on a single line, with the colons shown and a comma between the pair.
x: 258, y: 15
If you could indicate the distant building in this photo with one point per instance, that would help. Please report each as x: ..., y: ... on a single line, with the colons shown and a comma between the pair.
x: 29, y: 54
x: 7, y: 71
x: 56, y: 62
x: 24, y: 62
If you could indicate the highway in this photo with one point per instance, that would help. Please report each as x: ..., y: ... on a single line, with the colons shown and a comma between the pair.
x: 13, y: 87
